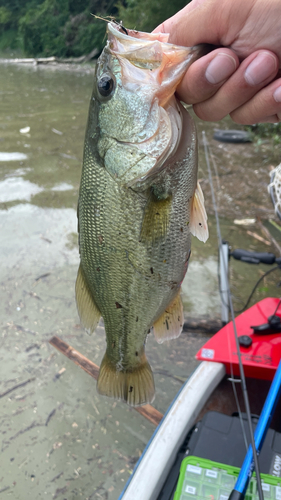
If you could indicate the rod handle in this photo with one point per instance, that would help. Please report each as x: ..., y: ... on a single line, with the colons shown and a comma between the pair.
x: 236, y: 495
x: 253, y: 257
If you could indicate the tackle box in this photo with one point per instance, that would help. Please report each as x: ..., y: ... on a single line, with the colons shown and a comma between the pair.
x: 218, y: 437
x: 202, y: 479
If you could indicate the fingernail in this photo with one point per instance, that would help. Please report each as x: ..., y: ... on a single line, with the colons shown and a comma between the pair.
x: 220, y: 68
x: 261, y: 68
x: 277, y: 94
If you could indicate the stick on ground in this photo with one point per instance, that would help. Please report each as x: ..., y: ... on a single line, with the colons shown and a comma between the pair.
x: 88, y: 366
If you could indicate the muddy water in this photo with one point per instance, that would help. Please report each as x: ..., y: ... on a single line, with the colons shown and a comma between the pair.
x: 59, y: 438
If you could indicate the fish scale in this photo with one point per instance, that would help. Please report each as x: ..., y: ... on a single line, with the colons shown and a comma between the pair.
x: 134, y: 231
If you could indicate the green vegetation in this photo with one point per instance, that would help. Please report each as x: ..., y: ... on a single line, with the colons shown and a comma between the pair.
x: 262, y: 131
x: 145, y: 15
x: 66, y: 28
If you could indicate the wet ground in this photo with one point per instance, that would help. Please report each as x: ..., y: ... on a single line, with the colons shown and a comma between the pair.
x: 59, y: 439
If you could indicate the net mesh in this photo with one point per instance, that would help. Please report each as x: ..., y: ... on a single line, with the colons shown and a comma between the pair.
x: 274, y: 189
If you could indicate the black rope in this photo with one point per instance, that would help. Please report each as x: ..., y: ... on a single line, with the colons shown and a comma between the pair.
x: 277, y: 307
x: 239, y: 311
x: 255, y: 287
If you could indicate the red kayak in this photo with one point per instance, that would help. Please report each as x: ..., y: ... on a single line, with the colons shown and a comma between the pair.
x: 260, y: 348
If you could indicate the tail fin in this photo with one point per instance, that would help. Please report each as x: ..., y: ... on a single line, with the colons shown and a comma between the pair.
x: 135, y: 386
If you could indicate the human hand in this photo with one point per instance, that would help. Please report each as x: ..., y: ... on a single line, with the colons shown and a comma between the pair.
x: 240, y: 78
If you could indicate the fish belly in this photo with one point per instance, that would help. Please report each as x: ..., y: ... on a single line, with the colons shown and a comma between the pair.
x: 132, y: 277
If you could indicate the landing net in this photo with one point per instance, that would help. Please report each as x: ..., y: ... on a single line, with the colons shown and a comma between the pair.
x: 274, y: 189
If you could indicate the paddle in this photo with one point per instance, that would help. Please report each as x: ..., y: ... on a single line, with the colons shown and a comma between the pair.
x: 239, y: 491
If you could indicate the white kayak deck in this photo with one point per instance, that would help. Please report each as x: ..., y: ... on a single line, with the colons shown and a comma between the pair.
x: 159, y: 455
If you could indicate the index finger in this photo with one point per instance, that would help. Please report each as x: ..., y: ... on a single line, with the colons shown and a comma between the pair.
x: 215, y: 22
x: 169, y: 24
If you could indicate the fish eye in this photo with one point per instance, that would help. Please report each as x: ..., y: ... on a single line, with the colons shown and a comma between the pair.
x: 105, y: 85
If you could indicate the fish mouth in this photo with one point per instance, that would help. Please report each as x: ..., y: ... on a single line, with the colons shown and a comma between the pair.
x: 119, y: 31
x: 166, y: 63
x: 147, y: 59
x: 129, y: 41
x: 152, y: 68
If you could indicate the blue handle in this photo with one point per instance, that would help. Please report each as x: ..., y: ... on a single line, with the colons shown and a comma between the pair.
x: 263, y: 424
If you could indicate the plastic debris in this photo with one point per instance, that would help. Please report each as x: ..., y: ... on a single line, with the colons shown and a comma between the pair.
x: 25, y: 130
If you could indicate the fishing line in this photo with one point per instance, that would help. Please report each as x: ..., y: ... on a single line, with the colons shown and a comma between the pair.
x: 216, y: 172
x: 241, y: 369
x: 276, y: 184
x: 222, y: 298
x: 231, y: 379
x: 233, y: 383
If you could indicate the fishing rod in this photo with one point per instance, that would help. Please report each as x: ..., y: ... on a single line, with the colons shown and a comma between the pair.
x: 241, y: 369
x: 241, y: 485
x: 240, y: 488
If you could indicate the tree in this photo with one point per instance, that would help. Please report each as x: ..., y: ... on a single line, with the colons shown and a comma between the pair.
x: 145, y: 15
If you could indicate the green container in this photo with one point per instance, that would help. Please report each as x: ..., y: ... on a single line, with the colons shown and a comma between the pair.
x: 202, y: 479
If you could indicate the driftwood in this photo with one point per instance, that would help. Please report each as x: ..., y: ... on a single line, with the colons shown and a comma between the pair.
x: 88, y: 366
x: 31, y: 60
x: 202, y: 325
x: 53, y: 59
x: 266, y: 232
x: 259, y: 238
x: 80, y: 59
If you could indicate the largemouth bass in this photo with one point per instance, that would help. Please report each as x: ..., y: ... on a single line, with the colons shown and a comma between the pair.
x: 139, y: 202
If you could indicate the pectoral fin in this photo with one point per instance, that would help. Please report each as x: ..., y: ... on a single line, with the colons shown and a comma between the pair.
x: 155, y: 221
x: 88, y: 312
x: 170, y: 324
x: 198, y: 217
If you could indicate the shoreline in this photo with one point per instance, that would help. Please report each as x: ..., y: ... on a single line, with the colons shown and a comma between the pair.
x: 80, y: 64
